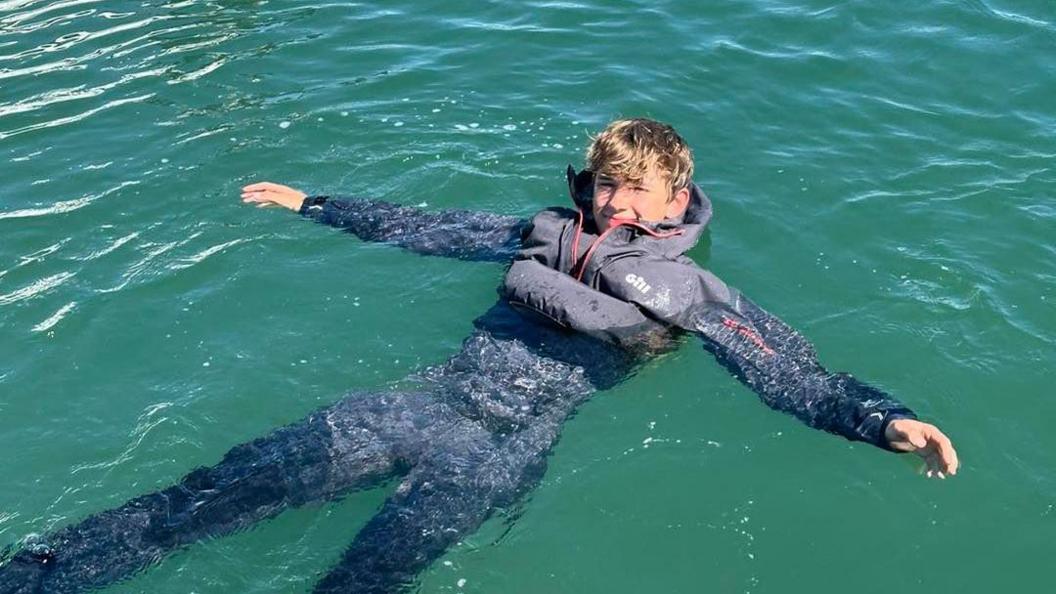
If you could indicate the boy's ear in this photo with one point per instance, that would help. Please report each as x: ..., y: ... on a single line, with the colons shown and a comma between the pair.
x: 676, y: 207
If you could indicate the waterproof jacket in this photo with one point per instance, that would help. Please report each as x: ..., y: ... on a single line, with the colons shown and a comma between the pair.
x: 616, y: 284
x: 632, y: 282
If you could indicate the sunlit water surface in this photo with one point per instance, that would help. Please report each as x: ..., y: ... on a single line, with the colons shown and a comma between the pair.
x: 883, y: 175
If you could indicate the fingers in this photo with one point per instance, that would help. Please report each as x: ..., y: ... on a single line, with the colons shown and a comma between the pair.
x: 946, y: 454
x: 928, y: 442
x: 939, y: 455
x: 263, y: 196
x: 258, y: 196
x: 933, y: 463
x: 262, y: 186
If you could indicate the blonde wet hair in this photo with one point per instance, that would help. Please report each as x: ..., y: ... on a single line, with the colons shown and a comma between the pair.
x: 627, y: 150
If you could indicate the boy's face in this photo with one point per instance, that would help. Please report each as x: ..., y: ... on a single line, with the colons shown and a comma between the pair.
x: 648, y: 201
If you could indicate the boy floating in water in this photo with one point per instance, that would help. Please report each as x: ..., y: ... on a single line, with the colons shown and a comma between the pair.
x: 590, y: 294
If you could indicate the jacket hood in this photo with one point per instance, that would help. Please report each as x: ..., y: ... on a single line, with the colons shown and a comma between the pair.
x: 692, y: 223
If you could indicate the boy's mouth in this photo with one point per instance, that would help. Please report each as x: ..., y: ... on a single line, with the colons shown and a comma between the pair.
x: 610, y: 221
x: 620, y: 218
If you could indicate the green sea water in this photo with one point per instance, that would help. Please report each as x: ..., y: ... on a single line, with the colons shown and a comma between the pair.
x: 884, y: 179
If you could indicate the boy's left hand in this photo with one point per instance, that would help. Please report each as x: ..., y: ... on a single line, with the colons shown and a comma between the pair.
x: 926, y: 441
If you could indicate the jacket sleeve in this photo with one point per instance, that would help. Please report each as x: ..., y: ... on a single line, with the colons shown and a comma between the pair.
x: 763, y: 352
x: 455, y: 233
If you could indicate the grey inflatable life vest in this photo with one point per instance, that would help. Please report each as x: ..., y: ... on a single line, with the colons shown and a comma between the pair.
x: 593, y: 283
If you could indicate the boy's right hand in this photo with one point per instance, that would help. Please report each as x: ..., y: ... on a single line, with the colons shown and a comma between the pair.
x: 265, y: 194
x: 927, y: 441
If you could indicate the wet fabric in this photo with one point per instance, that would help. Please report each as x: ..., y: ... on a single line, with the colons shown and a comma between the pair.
x: 470, y: 436
x: 588, y: 281
x: 464, y: 438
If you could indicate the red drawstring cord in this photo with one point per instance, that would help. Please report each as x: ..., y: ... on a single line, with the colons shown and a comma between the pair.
x: 582, y: 266
x: 575, y: 241
x: 590, y: 252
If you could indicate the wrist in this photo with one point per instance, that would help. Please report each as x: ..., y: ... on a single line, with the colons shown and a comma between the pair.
x: 890, y: 430
x: 294, y: 202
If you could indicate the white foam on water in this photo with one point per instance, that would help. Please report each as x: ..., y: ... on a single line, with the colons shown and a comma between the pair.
x: 65, y: 205
x: 120, y: 241
x: 202, y: 255
x: 40, y: 254
x: 57, y: 208
x: 55, y: 318
x: 36, y: 288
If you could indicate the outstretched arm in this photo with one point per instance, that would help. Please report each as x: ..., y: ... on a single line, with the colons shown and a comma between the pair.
x: 455, y: 233
x: 782, y: 367
x: 777, y: 362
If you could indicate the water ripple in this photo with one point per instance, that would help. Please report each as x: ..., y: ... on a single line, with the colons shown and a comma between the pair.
x: 64, y: 64
x: 57, y: 208
x: 20, y: 17
x: 40, y: 254
x: 195, y: 74
x: 170, y: 31
x: 66, y: 205
x: 120, y: 241
x: 55, y: 318
x: 140, y: 267
x: 37, y: 287
x: 146, y: 423
x: 71, y: 94
x: 1017, y: 18
x: 75, y: 118
x: 202, y: 255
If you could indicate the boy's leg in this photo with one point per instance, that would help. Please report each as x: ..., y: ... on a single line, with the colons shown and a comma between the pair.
x: 444, y: 499
x: 353, y: 444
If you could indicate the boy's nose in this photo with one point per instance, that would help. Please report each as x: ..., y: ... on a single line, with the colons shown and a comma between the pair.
x: 621, y: 200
